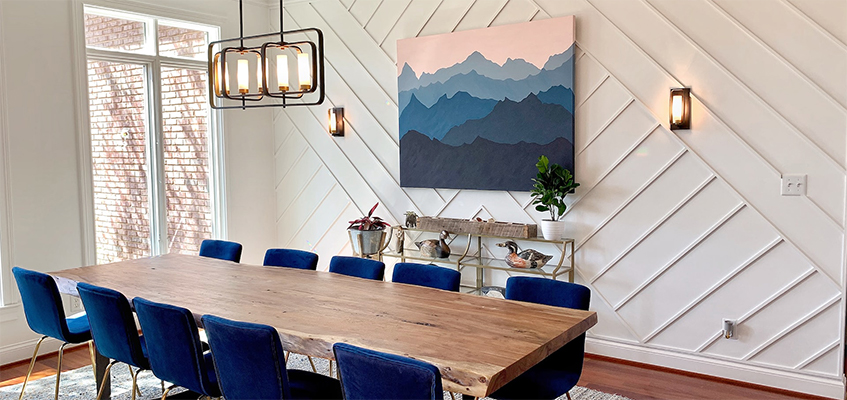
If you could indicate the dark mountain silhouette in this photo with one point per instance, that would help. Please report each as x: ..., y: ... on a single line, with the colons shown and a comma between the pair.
x: 443, y: 115
x: 556, y: 60
x: 516, y: 69
x: 558, y: 95
x: 509, y: 122
x: 483, y: 87
x: 482, y: 164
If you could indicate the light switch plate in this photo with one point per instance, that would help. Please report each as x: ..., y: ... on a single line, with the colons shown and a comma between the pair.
x: 793, y: 185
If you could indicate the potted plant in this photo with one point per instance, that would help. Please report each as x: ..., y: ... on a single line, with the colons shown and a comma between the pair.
x: 367, y: 234
x: 552, y: 184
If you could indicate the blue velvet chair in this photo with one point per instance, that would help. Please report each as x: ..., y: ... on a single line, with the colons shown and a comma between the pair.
x: 291, y: 258
x: 560, y: 371
x: 369, y: 374
x: 46, y: 316
x: 427, y: 275
x: 114, y: 331
x: 174, y: 349
x: 221, y: 249
x: 250, y: 364
x: 358, y: 267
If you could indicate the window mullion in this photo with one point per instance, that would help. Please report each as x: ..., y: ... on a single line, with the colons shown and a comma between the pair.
x: 158, y: 219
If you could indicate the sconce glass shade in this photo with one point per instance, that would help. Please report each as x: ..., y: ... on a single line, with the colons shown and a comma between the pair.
x: 336, y: 121
x: 680, y: 108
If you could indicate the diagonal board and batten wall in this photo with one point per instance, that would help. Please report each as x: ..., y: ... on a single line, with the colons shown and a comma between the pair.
x: 675, y: 230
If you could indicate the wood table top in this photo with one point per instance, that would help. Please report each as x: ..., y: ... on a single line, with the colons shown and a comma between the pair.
x: 478, y: 343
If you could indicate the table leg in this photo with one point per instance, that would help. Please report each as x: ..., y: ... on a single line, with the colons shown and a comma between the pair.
x: 100, y: 372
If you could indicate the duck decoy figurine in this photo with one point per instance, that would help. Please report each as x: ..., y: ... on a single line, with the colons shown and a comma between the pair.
x: 435, y: 248
x: 528, y: 258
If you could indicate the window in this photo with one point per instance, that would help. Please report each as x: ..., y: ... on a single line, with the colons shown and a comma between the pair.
x: 154, y: 151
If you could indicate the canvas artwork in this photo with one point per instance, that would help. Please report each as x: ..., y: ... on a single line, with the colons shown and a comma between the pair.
x: 477, y: 108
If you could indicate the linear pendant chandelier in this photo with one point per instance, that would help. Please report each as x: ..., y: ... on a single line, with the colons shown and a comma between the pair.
x: 251, y: 72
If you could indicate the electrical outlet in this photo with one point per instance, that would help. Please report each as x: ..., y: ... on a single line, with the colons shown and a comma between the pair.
x: 729, y: 329
x: 793, y: 185
x: 76, y: 304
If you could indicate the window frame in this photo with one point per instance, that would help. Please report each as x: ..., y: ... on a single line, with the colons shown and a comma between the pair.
x: 153, y: 64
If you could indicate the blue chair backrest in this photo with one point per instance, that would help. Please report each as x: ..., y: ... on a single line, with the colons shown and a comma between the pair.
x: 358, y: 267
x: 291, y: 258
x: 173, y: 346
x: 369, y: 374
x: 249, y: 359
x: 112, y: 324
x: 221, y: 249
x: 568, y: 359
x: 42, y: 303
x: 548, y: 291
x: 427, y: 275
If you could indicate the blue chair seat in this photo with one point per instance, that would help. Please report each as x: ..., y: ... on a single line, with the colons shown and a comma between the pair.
x: 78, y: 328
x: 370, y: 374
x: 309, y: 385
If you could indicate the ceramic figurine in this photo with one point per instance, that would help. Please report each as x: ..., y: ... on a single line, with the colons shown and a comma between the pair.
x: 401, y: 239
x: 411, y: 219
x: 528, y: 258
x: 435, y: 248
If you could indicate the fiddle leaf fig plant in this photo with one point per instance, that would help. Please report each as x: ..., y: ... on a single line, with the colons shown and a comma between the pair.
x: 552, y: 184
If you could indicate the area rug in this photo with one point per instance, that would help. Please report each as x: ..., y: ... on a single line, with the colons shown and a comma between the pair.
x: 78, y: 384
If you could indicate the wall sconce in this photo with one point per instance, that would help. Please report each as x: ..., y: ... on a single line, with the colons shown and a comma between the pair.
x: 680, y: 108
x: 336, y: 121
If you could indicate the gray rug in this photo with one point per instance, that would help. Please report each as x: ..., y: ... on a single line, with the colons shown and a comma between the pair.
x: 79, y: 384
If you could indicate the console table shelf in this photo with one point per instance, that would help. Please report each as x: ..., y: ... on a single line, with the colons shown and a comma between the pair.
x: 469, y: 255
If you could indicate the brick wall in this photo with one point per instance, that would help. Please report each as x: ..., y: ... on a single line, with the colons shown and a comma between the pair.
x: 118, y: 102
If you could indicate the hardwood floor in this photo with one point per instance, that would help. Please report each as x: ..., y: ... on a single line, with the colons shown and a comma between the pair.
x: 633, y: 380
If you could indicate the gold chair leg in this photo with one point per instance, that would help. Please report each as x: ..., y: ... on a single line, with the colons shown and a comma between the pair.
x: 131, y: 374
x: 568, y: 393
x: 163, y: 385
x: 165, y: 393
x: 59, y: 370
x: 287, y: 353
x: 330, y: 368
x: 31, y: 364
x: 135, y: 383
x: 103, y: 383
x: 93, y: 358
x: 315, y: 370
x: 452, y: 396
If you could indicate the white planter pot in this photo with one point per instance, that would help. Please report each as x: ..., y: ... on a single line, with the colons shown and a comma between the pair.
x: 552, y: 230
x: 372, y: 241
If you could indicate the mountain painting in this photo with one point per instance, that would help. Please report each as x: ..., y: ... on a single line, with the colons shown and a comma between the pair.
x: 478, y: 107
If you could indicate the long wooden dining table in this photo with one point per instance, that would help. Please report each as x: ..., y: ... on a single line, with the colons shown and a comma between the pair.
x: 479, y: 343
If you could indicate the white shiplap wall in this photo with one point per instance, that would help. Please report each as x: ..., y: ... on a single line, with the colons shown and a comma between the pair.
x: 674, y: 231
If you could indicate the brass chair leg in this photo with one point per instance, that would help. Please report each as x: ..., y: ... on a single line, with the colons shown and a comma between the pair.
x: 568, y: 393
x: 287, y: 353
x: 59, y: 370
x: 315, y: 370
x: 31, y: 364
x: 165, y: 393
x: 103, y: 383
x: 452, y: 396
x: 93, y: 358
x: 163, y: 385
x: 135, y: 383
x: 330, y: 368
x: 131, y: 374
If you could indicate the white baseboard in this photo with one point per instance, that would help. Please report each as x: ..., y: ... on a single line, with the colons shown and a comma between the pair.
x: 815, y: 385
x: 23, y: 350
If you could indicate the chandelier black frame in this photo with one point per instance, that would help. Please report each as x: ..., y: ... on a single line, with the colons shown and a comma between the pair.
x: 218, y: 73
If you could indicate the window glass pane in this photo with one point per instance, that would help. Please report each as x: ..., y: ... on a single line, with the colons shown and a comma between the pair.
x: 118, y: 106
x: 114, y: 33
x: 182, y: 42
x: 186, y: 158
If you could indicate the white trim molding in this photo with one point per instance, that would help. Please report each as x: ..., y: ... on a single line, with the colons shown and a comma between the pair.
x: 797, y: 382
x: 7, y: 292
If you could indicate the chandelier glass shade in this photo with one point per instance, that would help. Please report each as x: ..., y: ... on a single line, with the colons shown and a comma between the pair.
x: 266, y: 70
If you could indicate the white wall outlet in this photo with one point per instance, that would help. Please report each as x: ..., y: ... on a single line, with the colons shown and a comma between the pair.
x: 728, y: 326
x: 76, y: 304
x: 793, y: 185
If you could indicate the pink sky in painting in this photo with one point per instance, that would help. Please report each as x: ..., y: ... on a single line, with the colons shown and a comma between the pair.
x: 532, y: 41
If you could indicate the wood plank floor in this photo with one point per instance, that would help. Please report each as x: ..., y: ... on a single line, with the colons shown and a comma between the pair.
x: 633, y: 380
